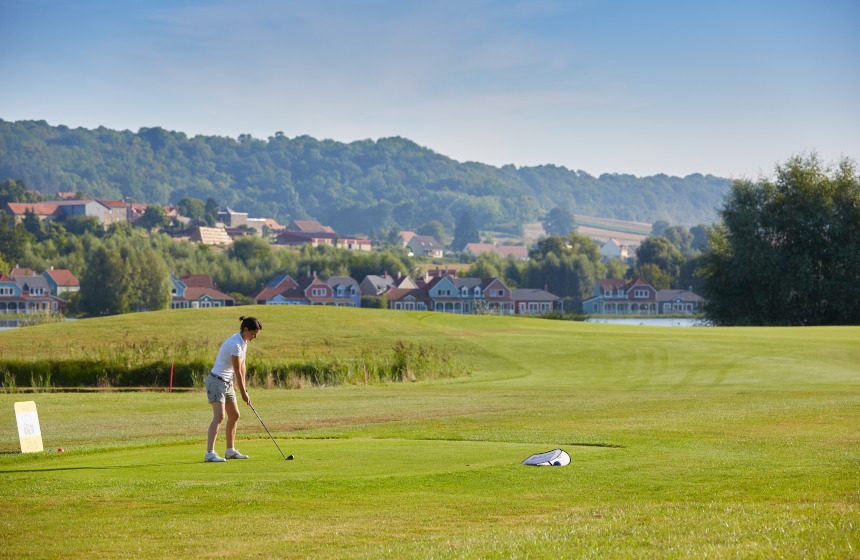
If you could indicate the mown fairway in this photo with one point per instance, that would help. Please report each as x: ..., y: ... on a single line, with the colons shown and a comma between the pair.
x: 685, y: 443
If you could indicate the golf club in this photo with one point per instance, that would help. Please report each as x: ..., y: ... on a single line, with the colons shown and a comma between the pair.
x: 290, y: 458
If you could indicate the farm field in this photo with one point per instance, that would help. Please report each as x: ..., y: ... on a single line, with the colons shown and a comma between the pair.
x: 685, y: 443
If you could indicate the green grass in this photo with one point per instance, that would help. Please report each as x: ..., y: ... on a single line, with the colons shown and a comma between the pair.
x: 685, y: 443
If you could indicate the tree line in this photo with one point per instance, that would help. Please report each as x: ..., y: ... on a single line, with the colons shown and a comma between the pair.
x: 362, y: 187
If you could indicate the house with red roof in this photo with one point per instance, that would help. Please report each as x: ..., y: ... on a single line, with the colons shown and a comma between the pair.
x: 61, y: 282
x: 517, y: 251
x: 308, y: 289
x: 193, y: 291
x: 309, y: 226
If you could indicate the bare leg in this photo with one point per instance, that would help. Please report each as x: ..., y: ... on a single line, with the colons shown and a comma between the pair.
x: 232, y: 421
x: 217, y: 418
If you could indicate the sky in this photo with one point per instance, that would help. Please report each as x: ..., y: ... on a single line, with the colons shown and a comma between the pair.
x: 728, y: 88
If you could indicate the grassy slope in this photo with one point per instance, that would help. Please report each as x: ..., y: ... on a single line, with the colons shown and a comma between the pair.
x: 685, y: 443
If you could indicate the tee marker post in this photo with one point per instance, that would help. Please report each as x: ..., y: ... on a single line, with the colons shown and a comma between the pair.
x: 28, y: 427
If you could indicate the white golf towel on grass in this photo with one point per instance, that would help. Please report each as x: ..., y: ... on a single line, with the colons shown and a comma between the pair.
x: 555, y: 458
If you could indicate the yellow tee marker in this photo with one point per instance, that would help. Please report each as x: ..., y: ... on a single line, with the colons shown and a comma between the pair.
x: 28, y: 427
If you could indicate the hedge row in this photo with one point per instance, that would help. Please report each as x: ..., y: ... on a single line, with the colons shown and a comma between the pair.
x: 405, y: 363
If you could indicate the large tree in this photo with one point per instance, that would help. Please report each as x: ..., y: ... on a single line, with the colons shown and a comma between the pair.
x: 660, y: 252
x: 568, y: 266
x: 786, y: 251
x: 466, y: 232
x: 559, y: 221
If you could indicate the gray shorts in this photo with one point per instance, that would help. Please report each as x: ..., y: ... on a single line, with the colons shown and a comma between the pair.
x: 219, y: 391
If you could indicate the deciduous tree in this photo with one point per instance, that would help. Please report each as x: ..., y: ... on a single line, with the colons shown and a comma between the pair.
x: 466, y: 232
x: 786, y: 250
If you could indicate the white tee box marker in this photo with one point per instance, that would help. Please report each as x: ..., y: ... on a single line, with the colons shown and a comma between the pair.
x: 28, y: 427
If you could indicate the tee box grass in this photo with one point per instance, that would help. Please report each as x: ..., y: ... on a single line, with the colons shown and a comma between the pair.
x: 685, y: 443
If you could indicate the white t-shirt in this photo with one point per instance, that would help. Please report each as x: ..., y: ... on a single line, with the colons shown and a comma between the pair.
x: 233, y: 346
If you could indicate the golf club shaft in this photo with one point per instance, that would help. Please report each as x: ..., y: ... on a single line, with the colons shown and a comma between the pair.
x: 267, y: 431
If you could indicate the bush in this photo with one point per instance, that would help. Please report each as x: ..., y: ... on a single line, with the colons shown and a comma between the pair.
x: 127, y: 369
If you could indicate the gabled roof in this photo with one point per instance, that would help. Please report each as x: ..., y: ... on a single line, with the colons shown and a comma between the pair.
x: 680, y: 295
x: 281, y: 280
x: 398, y: 294
x: 62, y: 277
x: 113, y: 203
x: 478, y: 248
x: 466, y: 282
x: 426, y: 242
x: 4, y: 278
x: 611, y: 284
x: 517, y: 251
x: 615, y: 242
x: 638, y: 282
x: 211, y: 236
x: 197, y: 281
x: 196, y: 293
x: 30, y: 282
x: 530, y: 294
x: 309, y: 226
x: 273, y: 225
x: 488, y: 282
x: 277, y: 285
x: 341, y: 281
x: 38, y: 208
x: 379, y: 283
x: 18, y: 271
x: 306, y: 280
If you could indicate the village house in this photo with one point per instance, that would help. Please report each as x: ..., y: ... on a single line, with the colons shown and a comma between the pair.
x: 27, y: 294
x: 61, y: 282
x: 374, y: 285
x: 619, y: 297
x: 193, y: 291
x: 309, y: 289
x: 615, y: 249
x: 425, y: 246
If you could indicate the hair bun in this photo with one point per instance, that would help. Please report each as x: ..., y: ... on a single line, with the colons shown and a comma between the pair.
x: 242, y: 318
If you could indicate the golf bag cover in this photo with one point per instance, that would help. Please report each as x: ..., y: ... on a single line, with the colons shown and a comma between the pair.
x: 555, y: 458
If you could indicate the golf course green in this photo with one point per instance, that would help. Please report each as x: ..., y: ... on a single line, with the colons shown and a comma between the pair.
x: 699, y: 442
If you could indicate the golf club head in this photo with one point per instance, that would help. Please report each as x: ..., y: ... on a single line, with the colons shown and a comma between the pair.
x: 290, y: 458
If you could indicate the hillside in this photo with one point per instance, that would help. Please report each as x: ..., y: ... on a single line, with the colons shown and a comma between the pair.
x: 358, y: 187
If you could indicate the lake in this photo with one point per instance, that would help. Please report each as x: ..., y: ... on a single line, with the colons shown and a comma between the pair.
x: 653, y: 321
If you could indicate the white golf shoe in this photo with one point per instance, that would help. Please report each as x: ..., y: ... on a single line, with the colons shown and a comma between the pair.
x: 212, y: 457
x: 233, y: 454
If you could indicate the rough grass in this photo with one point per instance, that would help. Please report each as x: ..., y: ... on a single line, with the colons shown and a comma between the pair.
x: 686, y: 442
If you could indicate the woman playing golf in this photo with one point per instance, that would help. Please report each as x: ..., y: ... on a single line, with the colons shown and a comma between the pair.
x: 229, y: 368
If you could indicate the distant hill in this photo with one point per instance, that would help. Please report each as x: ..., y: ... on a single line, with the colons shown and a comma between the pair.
x: 357, y: 187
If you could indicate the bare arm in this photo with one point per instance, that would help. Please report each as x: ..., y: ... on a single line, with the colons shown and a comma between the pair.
x: 239, y: 377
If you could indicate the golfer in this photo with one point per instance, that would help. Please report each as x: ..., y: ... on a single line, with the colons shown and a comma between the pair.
x: 229, y: 368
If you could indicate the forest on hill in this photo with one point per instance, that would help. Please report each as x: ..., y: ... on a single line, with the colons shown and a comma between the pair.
x: 359, y: 187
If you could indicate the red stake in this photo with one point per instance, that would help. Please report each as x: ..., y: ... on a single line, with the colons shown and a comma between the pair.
x: 171, y: 377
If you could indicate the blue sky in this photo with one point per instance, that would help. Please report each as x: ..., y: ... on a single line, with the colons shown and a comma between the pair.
x: 729, y: 88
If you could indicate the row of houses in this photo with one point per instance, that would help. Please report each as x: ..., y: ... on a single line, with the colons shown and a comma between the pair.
x: 443, y: 291
x: 25, y: 291
x: 107, y: 212
x: 439, y: 291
